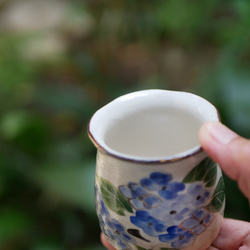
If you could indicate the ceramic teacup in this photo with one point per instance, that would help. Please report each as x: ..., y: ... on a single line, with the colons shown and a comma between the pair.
x: 155, y: 186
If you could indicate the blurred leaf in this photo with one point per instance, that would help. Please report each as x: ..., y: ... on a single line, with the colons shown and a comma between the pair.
x: 236, y: 99
x: 229, y: 89
x: 14, y: 123
x: 14, y: 70
x: 13, y: 223
x: 64, y: 98
x: 47, y: 245
x: 72, y: 183
x: 185, y: 21
x: 27, y: 130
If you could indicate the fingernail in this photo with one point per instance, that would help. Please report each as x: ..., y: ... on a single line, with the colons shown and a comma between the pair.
x: 221, y: 133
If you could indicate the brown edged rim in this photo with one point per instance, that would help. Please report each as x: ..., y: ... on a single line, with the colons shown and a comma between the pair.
x: 168, y: 159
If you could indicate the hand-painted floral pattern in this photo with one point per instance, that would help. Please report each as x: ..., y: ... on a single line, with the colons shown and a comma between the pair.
x: 115, y: 231
x: 161, y: 183
x: 148, y: 224
x: 139, y: 197
x: 199, y: 221
x: 112, y: 228
x: 173, y: 212
x: 177, y: 237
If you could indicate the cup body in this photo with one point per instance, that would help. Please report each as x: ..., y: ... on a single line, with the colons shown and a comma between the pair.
x: 155, y: 186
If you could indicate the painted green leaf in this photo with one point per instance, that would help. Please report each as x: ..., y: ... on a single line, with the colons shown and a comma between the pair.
x: 113, y: 198
x: 218, y: 197
x: 206, y: 171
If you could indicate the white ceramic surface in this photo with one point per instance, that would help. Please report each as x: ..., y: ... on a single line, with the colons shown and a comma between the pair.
x: 155, y: 186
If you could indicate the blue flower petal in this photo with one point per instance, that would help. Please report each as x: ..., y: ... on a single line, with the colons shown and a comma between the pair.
x: 209, y: 218
x: 184, y: 240
x: 149, y: 184
x: 118, y: 226
x: 152, y: 201
x: 133, y: 190
x: 199, y: 221
x: 142, y: 215
x: 137, y: 189
x: 103, y: 209
x: 160, y: 178
x: 136, y: 221
x: 190, y: 223
x: 195, y: 189
x: 127, y: 192
x: 137, y: 204
x: 145, y: 202
x: 199, y: 229
x: 177, y: 237
x: 167, y: 238
x: 176, y: 186
x: 168, y: 194
x: 200, y: 214
x: 174, y: 230
x: 148, y: 224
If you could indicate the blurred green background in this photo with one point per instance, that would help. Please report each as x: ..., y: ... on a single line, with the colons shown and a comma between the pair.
x: 62, y: 60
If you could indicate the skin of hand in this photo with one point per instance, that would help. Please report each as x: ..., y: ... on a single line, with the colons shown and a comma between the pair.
x: 232, y: 153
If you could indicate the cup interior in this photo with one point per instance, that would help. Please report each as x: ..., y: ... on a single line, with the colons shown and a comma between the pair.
x: 154, y: 132
x: 151, y: 125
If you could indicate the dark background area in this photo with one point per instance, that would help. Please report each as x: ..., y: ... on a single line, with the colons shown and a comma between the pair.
x: 62, y: 60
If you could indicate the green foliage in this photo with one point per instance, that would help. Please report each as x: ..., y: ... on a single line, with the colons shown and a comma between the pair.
x: 14, y: 224
x: 218, y: 197
x: 113, y: 198
x: 205, y: 171
x: 73, y: 183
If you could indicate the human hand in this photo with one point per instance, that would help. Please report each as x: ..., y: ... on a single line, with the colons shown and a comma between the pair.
x: 232, y: 153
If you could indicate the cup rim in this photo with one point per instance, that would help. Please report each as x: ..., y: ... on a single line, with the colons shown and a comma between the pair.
x: 131, y: 158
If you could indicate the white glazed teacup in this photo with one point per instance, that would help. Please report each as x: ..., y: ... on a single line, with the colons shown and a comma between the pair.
x: 155, y: 186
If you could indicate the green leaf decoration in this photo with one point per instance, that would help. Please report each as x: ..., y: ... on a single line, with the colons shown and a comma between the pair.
x: 113, y: 198
x: 218, y: 197
x: 206, y: 171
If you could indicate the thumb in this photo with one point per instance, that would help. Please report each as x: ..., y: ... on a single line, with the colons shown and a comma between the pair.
x: 230, y: 151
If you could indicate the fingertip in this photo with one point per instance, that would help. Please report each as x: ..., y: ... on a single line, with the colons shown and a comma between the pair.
x: 105, y: 242
x: 229, y: 150
x: 206, y: 139
x: 203, y: 133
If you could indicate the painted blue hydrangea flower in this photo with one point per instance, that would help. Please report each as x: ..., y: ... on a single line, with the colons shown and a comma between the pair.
x: 101, y: 209
x: 148, y: 224
x: 172, y: 212
x: 177, y: 237
x: 117, y: 234
x: 112, y: 228
x: 199, y: 221
x: 163, y: 208
x: 197, y: 195
x: 139, y: 197
x: 161, y: 183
